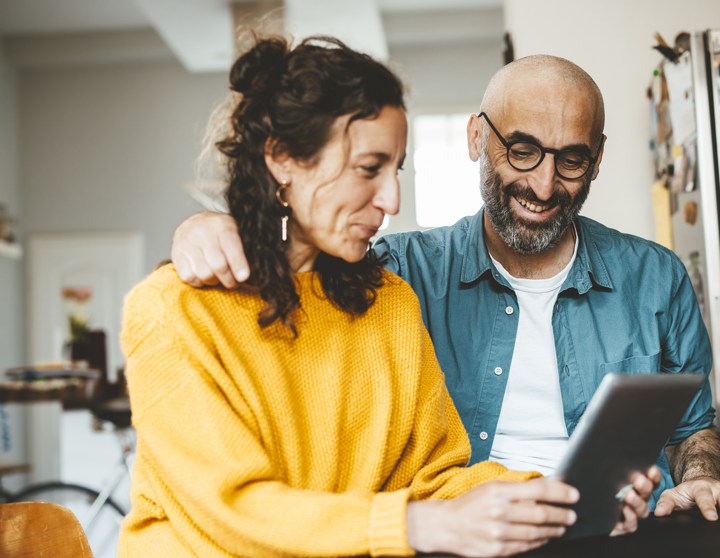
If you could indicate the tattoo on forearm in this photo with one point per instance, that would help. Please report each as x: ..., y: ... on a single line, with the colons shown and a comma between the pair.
x: 698, y: 456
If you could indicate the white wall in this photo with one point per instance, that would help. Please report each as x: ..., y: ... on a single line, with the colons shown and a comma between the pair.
x: 612, y: 41
x: 441, y: 79
x: 110, y: 147
x: 12, y: 445
x: 11, y: 327
x: 444, y: 74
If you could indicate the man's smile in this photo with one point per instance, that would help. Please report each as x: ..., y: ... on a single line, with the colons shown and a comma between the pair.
x: 536, y: 208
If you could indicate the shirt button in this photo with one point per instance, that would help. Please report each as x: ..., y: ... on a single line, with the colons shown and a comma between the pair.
x: 498, y: 371
x: 483, y: 435
x: 509, y: 310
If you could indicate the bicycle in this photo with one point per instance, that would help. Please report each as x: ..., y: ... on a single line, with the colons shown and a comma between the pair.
x: 99, y: 515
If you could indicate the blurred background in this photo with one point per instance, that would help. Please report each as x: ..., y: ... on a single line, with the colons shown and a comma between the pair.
x: 103, y: 104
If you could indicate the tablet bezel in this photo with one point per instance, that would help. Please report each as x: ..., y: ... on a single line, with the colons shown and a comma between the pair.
x: 604, y: 456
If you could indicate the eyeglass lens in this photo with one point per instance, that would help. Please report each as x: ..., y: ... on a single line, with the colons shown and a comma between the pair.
x: 569, y: 164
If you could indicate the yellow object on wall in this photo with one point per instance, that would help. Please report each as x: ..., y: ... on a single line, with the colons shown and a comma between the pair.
x: 663, y: 222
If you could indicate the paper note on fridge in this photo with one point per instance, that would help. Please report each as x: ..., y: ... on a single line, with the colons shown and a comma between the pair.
x: 682, y: 101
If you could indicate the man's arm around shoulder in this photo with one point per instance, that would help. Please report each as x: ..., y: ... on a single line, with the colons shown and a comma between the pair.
x: 207, y: 250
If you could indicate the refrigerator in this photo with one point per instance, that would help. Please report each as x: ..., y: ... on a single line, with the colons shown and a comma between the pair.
x: 685, y: 101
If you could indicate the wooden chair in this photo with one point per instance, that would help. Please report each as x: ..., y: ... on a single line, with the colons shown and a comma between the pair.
x: 37, y: 529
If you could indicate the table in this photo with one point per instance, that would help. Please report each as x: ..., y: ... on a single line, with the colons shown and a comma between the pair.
x: 71, y: 393
x: 680, y: 535
x: 39, y: 422
x: 73, y: 387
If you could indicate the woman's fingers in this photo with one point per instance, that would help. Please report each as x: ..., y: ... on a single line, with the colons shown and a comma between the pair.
x: 527, y: 533
x: 534, y: 514
x: 638, y: 503
x: 493, y: 519
x: 536, y: 490
x: 643, y: 487
x: 629, y: 523
x: 655, y: 475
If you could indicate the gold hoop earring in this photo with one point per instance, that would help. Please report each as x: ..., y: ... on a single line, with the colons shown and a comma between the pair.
x: 286, y: 210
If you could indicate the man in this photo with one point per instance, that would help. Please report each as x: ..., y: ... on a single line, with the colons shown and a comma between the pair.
x: 529, y: 305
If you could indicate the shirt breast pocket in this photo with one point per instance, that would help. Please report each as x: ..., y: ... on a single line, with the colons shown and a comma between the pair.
x: 633, y: 365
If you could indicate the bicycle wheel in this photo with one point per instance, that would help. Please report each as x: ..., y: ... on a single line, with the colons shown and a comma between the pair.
x: 103, y: 534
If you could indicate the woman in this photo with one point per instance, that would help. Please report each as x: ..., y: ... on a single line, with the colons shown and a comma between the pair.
x: 301, y: 415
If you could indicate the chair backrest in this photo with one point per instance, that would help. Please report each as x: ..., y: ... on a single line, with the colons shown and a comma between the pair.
x: 39, y: 529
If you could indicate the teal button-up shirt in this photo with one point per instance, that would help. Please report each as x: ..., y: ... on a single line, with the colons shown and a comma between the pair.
x: 627, y: 306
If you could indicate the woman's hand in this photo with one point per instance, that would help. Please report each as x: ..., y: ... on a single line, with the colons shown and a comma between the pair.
x: 207, y: 250
x: 493, y: 519
x: 636, y: 507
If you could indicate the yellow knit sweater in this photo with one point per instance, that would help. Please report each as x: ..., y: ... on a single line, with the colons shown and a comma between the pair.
x: 253, y: 444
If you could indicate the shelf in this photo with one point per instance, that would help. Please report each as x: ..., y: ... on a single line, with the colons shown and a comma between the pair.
x: 13, y: 251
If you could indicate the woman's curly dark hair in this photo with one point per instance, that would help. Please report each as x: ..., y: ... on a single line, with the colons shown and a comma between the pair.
x: 292, y: 97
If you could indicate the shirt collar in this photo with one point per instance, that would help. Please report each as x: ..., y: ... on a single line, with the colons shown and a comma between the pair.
x: 476, y: 259
x: 589, y: 267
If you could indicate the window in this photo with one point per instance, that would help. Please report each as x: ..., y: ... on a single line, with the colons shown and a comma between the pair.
x: 447, y: 182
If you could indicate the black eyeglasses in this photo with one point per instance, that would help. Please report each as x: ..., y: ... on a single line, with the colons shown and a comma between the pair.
x: 524, y: 156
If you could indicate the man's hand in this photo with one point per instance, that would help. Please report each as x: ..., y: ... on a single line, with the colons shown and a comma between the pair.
x: 493, y: 519
x: 703, y: 491
x: 636, y: 501
x: 695, y: 468
x: 207, y: 250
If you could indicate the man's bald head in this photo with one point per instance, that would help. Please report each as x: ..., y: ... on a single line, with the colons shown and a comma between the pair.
x: 544, y: 79
x: 554, y: 105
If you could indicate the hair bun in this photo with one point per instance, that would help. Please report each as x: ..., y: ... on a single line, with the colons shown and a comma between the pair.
x: 259, y: 69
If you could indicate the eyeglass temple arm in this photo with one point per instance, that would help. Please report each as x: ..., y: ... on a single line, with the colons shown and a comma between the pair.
x: 593, y: 160
x: 494, y: 129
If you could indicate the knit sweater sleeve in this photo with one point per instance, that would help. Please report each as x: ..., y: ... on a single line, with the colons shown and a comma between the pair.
x: 209, y: 460
x: 441, y: 477
x: 435, y: 460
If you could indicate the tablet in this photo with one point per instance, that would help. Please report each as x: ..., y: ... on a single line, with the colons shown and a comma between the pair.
x: 625, y: 427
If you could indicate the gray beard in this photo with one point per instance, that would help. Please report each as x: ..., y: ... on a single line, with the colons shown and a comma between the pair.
x: 526, y: 237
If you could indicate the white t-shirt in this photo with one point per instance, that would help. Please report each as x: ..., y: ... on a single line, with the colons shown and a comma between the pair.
x: 531, y: 433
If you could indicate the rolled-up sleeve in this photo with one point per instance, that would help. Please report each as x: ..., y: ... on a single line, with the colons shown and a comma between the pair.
x: 687, y: 350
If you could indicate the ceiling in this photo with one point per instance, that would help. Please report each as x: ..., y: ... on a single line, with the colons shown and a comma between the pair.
x: 200, y: 32
x: 56, y: 16
x: 435, y: 5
